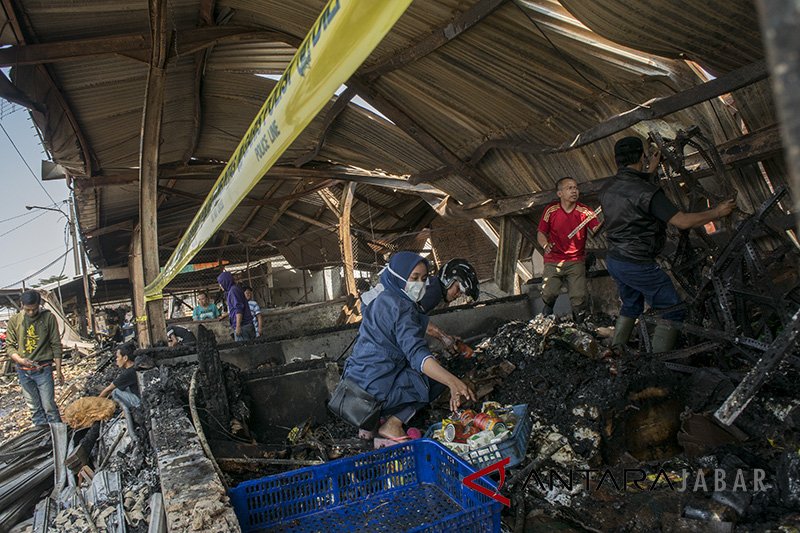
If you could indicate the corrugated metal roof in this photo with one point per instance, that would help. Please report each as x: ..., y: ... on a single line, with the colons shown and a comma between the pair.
x: 537, y: 72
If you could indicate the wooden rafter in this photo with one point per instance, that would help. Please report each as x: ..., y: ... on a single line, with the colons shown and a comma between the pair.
x: 253, y: 212
x: 324, y: 173
x: 435, y: 39
x: 206, y: 17
x: 281, y: 210
x: 136, y: 46
x: 247, y: 201
x: 340, y: 105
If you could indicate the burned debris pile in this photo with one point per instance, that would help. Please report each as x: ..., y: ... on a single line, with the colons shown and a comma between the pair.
x: 599, y: 424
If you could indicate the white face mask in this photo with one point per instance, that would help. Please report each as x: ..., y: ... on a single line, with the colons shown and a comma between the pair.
x: 415, y: 290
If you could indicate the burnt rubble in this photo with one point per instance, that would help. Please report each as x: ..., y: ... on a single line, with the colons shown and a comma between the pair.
x: 608, y: 415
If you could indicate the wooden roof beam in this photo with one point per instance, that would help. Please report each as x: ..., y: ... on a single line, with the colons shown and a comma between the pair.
x: 340, y: 105
x: 437, y: 38
x: 333, y: 172
x: 206, y: 19
x: 135, y: 45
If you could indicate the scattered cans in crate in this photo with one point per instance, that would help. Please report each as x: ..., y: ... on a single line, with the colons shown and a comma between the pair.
x: 413, y: 486
x: 487, y: 437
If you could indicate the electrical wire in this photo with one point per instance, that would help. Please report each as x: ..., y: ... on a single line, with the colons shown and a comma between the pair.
x: 48, y: 265
x: 15, y: 228
x: 39, y: 183
x: 15, y: 263
x: 26, y: 214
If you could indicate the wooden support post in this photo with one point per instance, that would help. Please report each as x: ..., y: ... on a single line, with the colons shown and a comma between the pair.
x: 507, y: 255
x: 137, y: 282
x: 345, y: 240
x: 350, y: 309
x: 148, y: 163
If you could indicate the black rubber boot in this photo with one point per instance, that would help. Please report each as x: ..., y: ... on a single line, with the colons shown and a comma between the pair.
x: 664, y: 339
x: 622, y: 331
x: 548, y: 309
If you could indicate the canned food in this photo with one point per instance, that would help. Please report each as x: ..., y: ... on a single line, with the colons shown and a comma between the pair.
x: 457, y: 431
x: 467, y: 416
x: 484, y: 421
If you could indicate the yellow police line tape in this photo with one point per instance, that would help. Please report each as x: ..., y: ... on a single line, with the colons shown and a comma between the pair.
x: 340, y: 40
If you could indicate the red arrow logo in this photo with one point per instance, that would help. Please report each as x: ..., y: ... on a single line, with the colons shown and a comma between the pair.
x: 500, y: 466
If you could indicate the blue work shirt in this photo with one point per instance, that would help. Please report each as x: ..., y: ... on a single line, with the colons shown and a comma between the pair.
x: 388, y: 355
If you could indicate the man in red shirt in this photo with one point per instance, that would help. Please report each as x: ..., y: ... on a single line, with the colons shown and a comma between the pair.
x: 564, y: 256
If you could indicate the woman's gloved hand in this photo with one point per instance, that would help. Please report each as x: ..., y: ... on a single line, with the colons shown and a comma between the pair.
x: 459, y: 393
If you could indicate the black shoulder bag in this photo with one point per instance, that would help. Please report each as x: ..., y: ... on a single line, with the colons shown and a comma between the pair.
x: 354, y: 405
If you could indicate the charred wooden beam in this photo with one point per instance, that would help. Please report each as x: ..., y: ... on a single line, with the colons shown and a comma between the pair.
x: 308, y: 220
x: 253, y: 212
x: 780, y: 348
x: 211, y: 172
x: 13, y: 94
x: 338, y: 107
x: 744, y: 150
x: 251, y: 201
x: 281, y: 210
x: 206, y: 16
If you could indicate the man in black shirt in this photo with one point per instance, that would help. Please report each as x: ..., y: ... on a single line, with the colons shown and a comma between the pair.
x: 124, y: 389
x: 636, y: 216
x: 177, y: 336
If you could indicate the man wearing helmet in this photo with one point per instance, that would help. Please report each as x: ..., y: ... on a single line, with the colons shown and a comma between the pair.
x: 455, y: 278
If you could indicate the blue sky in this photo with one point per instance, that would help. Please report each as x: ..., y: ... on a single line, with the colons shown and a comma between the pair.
x: 29, y: 240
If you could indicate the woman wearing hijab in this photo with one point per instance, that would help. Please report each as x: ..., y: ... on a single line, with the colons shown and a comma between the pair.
x: 391, y: 360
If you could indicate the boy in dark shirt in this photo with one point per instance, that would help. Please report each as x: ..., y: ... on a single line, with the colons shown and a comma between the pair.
x: 124, y: 390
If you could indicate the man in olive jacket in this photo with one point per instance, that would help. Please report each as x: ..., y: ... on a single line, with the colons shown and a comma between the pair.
x: 34, y: 343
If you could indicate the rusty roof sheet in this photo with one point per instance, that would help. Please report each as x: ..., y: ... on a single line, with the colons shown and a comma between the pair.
x: 537, y: 72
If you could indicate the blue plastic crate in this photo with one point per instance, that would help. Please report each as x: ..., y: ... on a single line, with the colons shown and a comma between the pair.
x: 514, y: 447
x: 413, y: 486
